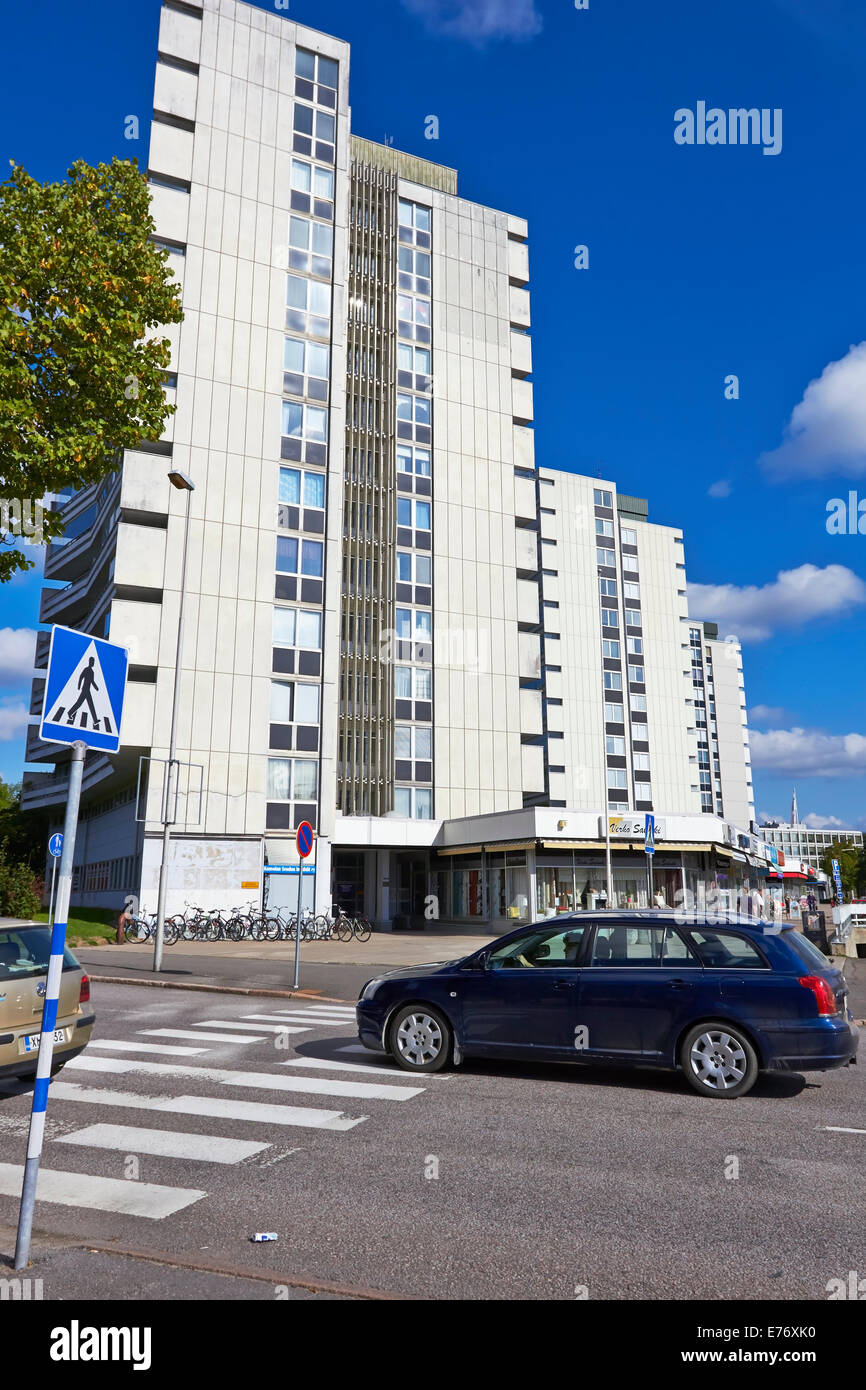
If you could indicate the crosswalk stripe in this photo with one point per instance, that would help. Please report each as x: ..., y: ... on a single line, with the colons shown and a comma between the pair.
x: 190, y: 1033
x: 249, y: 1027
x: 330, y: 1008
x: 117, y: 1046
x: 164, y: 1143
x: 322, y: 1013
x: 101, y: 1194
x: 313, y: 1020
x: 328, y: 1065
x: 269, y: 1081
x: 214, y: 1108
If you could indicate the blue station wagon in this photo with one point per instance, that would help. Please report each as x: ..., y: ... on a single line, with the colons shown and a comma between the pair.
x: 720, y: 998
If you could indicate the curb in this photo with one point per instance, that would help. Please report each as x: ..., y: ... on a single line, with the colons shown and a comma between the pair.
x: 222, y: 989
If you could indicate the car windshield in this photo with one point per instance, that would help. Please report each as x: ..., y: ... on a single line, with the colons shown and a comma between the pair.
x: 25, y: 950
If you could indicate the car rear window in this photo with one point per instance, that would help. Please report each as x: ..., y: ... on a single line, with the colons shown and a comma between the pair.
x: 25, y: 951
x: 721, y: 950
x: 808, y: 952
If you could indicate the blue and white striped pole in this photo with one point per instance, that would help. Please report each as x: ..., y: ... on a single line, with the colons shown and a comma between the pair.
x: 49, y: 1011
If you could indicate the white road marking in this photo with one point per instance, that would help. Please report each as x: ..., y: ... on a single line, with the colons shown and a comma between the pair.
x: 190, y: 1033
x: 841, y: 1129
x: 164, y: 1143
x: 101, y: 1194
x: 249, y: 1027
x: 213, y: 1108
x: 117, y: 1046
x: 330, y: 1008
x: 312, y: 1021
x: 269, y: 1081
x: 368, y: 1067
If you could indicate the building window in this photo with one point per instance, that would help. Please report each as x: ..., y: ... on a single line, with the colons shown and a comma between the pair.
x: 639, y: 732
x: 309, y: 178
x: 602, y: 498
x: 603, y: 528
x: 411, y: 459
x: 311, y: 554
x: 414, y: 569
x: 308, y: 306
x: 410, y: 513
x: 640, y: 762
x: 631, y: 591
x: 609, y: 617
x: 627, y: 535
x: 613, y: 714
x: 617, y: 778
x: 311, y: 125
x: 605, y: 557
x: 635, y: 646
x: 295, y: 627
x: 643, y: 791
x: 315, y: 67
x: 632, y: 617
x: 302, y: 489
x: 413, y: 270
x: 294, y: 703
x: 414, y: 624
x: 412, y: 742
x: 413, y: 317
x: 612, y: 680
x: 311, y: 246
x: 615, y: 746
x: 305, y: 422
x: 414, y: 803
x: 636, y: 674
x: 607, y: 588
x: 292, y: 779
x: 413, y: 682
x: 637, y: 702
x: 610, y: 649
x: 414, y: 408
x: 306, y: 368
x: 413, y: 215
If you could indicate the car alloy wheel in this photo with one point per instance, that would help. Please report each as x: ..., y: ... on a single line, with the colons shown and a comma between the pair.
x: 719, y: 1061
x: 420, y: 1039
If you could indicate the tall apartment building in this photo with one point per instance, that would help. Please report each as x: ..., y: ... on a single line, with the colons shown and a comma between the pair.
x: 395, y: 623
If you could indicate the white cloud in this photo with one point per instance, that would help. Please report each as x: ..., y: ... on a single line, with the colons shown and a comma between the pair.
x: 827, y: 429
x: 753, y: 613
x: 17, y: 654
x: 720, y: 489
x: 478, y: 20
x: 808, y: 753
x: 815, y: 822
x: 13, y: 721
x: 766, y: 714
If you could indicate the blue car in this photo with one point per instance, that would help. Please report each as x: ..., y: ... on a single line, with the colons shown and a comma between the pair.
x: 722, y: 999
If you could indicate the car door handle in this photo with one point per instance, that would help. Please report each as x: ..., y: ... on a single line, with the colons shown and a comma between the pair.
x: 679, y: 984
x: 563, y: 984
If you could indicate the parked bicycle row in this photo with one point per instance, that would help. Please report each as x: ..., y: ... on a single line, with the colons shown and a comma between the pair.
x: 247, y: 923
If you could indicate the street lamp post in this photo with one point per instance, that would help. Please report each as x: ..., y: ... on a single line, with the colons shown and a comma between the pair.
x: 184, y: 484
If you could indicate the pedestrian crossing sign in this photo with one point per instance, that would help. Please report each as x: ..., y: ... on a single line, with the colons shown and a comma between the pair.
x: 84, y: 690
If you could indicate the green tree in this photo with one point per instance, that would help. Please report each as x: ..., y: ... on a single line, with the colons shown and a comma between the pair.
x: 849, y: 865
x: 82, y: 288
x: 23, y: 834
x: 19, y: 889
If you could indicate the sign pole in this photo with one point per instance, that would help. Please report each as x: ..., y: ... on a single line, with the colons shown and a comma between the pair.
x: 53, y: 881
x: 49, y: 1011
x: 298, y: 924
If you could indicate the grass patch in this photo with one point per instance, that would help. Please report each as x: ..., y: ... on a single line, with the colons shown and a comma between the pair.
x: 88, y: 926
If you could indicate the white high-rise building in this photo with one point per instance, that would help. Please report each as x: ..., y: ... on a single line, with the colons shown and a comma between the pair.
x: 396, y: 624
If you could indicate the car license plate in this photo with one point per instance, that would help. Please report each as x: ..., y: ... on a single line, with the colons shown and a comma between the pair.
x: 32, y: 1041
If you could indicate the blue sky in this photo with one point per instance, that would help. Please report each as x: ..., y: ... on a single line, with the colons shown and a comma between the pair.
x: 704, y: 261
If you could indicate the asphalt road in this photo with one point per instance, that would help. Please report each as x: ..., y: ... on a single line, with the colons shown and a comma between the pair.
x: 491, y: 1181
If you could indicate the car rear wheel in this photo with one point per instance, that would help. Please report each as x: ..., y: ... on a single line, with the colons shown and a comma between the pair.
x: 719, y: 1060
x: 420, y: 1039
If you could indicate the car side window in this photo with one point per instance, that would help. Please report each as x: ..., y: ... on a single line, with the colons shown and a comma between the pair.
x: 542, y: 948
x: 676, y: 954
x: 620, y: 944
x: 724, y: 950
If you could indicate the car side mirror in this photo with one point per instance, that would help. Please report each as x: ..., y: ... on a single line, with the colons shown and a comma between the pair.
x: 482, y: 961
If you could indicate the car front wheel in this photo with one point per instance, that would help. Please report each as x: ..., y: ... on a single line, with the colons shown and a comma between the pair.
x: 719, y: 1060
x: 420, y: 1039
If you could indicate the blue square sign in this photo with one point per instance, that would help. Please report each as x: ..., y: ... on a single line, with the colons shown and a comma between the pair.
x: 84, y: 690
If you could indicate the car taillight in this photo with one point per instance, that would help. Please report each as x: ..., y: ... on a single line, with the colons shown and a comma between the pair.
x: 84, y: 994
x: 823, y: 993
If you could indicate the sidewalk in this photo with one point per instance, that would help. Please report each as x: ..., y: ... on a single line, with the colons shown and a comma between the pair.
x: 329, y: 968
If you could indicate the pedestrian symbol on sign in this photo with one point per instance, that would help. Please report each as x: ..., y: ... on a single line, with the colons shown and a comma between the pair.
x: 84, y: 690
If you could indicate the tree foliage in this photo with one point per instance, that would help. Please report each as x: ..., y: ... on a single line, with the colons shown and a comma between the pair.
x: 850, y: 866
x: 19, y: 888
x: 23, y: 834
x: 81, y: 375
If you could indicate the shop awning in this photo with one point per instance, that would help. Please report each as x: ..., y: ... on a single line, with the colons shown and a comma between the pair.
x: 498, y: 846
x: 662, y: 846
x: 572, y: 844
x: 458, y: 849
